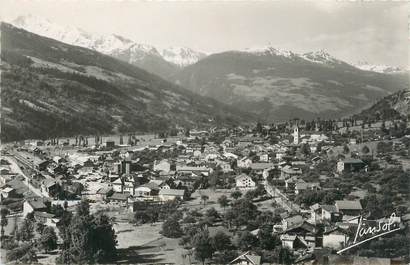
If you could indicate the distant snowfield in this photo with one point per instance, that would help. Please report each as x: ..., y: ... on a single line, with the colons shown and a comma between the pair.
x: 386, y: 69
x: 112, y: 44
x: 109, y: 44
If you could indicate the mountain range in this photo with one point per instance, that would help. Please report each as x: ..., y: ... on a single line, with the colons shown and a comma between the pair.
x: 380, y: 68
x: 279, y: 85
x: 161, y: 61
x: 65, y: 81
x: 50, y: 88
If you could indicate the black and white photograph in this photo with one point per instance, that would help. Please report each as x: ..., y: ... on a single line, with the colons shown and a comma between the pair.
x: 226, y: 132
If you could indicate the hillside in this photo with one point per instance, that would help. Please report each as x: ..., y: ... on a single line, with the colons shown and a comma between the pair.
x: 50, y: 88
x: 280, y: 85
x: 391, y: 107
x: 160, y: 61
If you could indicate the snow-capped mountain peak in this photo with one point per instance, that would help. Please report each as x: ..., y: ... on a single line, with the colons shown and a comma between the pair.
x: 269, y: 50
x: 321, y: 57
x: 386, y: 69
x: 181, y: 56
x: 72, y: 35
x: 110, y: 44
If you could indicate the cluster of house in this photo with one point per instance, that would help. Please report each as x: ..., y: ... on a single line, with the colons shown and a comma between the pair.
x: 119, y: 176
x: 300, y: 231
x: 123, y: 179
x: 316, y: 234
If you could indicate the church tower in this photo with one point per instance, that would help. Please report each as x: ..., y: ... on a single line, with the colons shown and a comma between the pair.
x: 296, y: 136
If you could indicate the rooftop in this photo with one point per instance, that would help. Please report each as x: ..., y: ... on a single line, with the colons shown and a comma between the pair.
x: 348, y: 205
x: 172, y: 192
x: 36, y: 204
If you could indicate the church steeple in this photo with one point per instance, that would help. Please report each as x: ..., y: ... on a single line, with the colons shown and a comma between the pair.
x: 296, y: 135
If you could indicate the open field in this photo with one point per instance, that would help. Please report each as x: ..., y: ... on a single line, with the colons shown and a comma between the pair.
x: 144, y: 244
x: 213, y: 195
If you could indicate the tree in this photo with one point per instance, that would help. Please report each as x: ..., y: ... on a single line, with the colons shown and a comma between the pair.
x: 4, y: 221
x: 213, y: 178
x: 225, y: 257
x: 259, y: 127
x: 204, y: 199
x: 203, y: 248
x: 384, y: 147
x: 244, y: 212
x: 189, y: 219
x: 24, y: 253
x: 365, y: 149
x: 266, y: 218
x: 79, y: 237
x: 171, y: 228
x: 48, y: 239
x: 389, y: 247
x: 223, y: 201
x: 212, y: 214
x: 87, y: 238
x: 105, y: 240
x: 346, y: 149
x: 283, y: 255
x: 305, y: 149
x: 25, y: 232
x: 236, y: 194
x: 149, y: 215
x: 250, y: 195
x: 40, y: 227
x: 229, y: 218
x: 247, y: 241
x: 221, y: 241
x: 266, y: 239
x: 260, y: 190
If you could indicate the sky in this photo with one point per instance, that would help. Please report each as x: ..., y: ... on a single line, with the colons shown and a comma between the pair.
x: 372, y: 31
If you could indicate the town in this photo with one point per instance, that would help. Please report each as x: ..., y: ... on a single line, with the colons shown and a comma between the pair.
x: 283, y: 193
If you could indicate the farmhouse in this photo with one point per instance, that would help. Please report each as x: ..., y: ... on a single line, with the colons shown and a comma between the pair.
x: 33, y: 205
x: 247, y: 259
x: 171, y: 194
x: 349, y: 208
x: 350, y: 165
x: 244, y: 182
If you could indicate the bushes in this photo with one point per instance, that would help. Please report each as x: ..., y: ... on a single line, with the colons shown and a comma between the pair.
x: 8, y: 244
x: 24, y: 253
x: 324, y: 197
x: 171, y: 228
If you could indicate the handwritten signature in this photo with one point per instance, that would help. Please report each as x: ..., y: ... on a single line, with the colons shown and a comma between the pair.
x: 367, y: 231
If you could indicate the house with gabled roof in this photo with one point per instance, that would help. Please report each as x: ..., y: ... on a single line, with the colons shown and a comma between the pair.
x: 244, y: 162
x: 335, y: 238
x: 301, y: 186
x: 324, y: 212
x: 120, y: 198
x: 350, y: 165
x: 290, y: 171
x: 171, y: 194
x: 33, y: 205
x: 349, y: 208
x: 244, y: 181
x: 260, y: 168
x: 247, y: 259
x: 193, y: 170
x: 297, y: 233
x: 8, y: 192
